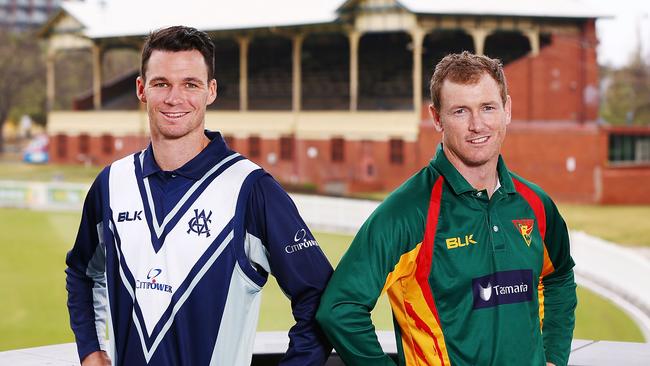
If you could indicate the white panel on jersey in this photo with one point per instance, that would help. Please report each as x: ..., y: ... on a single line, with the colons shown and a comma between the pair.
x: 159, y: 275
x: 256, y: 252
x: 234, y: 345
x: 159, y: 228
x: 97, y: 271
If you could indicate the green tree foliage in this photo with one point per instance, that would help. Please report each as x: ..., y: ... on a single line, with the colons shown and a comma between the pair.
x: 22, y: 78
x: 627, y: 98
x: 73, y: 77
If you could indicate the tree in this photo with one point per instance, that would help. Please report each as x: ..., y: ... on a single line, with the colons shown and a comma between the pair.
x: 22, y: 77
x: 627, y: 98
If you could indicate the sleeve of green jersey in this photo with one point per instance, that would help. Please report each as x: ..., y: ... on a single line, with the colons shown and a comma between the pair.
x: 559, y: 290
x: 353, y: 290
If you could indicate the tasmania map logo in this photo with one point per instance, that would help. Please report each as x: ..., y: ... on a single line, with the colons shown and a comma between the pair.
x: 525, y: 228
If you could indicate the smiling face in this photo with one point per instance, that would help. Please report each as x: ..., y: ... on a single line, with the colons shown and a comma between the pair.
x: 177, y: 92
x: 472, y: 119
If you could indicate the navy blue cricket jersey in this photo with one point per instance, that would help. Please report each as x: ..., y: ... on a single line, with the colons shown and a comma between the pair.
x: 174, y: 262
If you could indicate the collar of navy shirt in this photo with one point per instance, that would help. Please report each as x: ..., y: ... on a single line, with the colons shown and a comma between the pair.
x: 198, y: 165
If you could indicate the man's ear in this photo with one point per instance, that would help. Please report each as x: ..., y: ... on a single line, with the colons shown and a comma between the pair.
x: 212, y: 91
x: 508, y: 109
x: 435, y: 116
x: 139, y: 89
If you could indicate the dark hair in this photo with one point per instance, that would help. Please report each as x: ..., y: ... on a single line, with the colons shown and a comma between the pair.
x: 175, y: 39
x: 466, y: 68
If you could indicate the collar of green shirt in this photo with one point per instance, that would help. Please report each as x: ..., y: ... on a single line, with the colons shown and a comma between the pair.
x: 458, y: 183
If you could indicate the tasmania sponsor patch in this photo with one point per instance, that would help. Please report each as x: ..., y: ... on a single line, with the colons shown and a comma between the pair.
x: 506, y: 287
x: 525, y: 228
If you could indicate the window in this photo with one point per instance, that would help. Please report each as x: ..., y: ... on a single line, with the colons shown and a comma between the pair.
x: 629, y: 148
x: 61, y: 146
x: 338, y: 152
x: 84, y: 144
x: 254, y: 147
x: 286, y: 148
x: 107, y: 144
x: 396, y: 151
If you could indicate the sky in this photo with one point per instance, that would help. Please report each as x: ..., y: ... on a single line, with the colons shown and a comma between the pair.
x: 619, y: 36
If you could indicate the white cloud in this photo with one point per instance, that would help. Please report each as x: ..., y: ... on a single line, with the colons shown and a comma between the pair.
x: 619, y: 36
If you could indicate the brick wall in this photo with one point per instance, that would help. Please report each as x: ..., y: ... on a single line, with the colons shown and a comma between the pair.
x: 563, y: 159
x: 568, y: 160
x: 98, y: 153
x: 559, y: 84
x: 626, y: 185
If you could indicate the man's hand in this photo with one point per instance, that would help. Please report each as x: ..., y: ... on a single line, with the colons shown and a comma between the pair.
x: 97, y: 358
x: 550, y: 364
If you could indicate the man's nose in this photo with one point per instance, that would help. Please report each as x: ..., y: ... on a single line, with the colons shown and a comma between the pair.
x: 174, y: 96
x: 476, y: 122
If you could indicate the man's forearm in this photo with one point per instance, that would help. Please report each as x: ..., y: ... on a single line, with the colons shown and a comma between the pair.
x: 559, y: 317
x: 350, y: 329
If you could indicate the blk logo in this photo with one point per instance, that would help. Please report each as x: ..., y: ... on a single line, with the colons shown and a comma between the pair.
x: 453, y: 243
x: 199, y: 223
x: 128, y: 216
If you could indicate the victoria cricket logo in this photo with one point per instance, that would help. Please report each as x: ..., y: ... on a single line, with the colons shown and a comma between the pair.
x: 199, y: 223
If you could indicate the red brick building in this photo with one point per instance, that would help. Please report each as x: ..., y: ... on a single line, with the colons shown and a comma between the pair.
x: 334, y: 95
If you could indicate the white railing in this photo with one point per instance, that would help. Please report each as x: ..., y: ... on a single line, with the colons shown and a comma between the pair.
x: 583, y: 352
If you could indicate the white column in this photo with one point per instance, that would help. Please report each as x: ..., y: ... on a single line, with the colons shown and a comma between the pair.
x: 297, y: 72
x: 479, y: 35
x: 243, y: 72
x: 417, y: 36
x: 50, y: 86
x: 97, y: 54
x: 354, y: 36
x: 533, y: 38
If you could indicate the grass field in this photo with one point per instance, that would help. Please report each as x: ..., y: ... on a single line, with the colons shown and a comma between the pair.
x: 627, y: 225
x: 32, y: 286
x: 48, y: 172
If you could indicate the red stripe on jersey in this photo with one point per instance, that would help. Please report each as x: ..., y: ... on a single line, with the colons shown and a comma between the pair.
x: 423, y: 262
x: 535, y: 203
x: 422, y: 325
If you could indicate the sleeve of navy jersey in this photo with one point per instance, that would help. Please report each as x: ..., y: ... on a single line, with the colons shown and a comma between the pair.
x: 298, y: 264
x: 83, y: 289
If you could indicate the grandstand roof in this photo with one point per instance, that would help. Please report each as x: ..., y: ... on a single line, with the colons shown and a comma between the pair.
x: 115, y: 18
x: 530, y: 8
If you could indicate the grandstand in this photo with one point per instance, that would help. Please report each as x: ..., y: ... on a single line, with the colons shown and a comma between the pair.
x: 332, y: 95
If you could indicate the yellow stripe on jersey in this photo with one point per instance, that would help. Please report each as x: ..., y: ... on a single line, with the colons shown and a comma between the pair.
x: 422, y: 337
x: 547, y: 268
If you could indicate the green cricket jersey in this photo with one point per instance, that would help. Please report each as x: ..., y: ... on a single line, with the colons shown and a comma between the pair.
x: 471, y: 280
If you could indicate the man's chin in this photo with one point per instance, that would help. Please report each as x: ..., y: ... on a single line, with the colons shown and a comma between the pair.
x: 476, y: 161
x: 171, y: 134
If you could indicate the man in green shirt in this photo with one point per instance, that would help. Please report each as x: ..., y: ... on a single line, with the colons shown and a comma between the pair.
x: 474, y: 259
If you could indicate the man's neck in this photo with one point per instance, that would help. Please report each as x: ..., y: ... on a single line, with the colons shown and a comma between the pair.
x: 482, y: 177
x: 173, y: 154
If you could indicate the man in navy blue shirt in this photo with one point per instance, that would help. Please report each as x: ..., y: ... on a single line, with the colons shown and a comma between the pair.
x: 176, y: 241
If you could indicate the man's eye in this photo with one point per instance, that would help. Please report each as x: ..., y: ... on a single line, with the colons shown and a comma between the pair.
x: 160, y: 85
x: 489, y: 108
x: 191, y: 85
x: 459, y: 111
